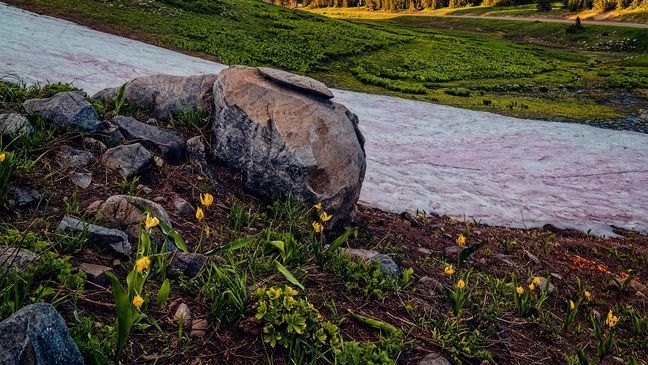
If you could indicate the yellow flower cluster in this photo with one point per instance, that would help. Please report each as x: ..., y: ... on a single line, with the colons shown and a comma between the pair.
x: 461, y: 240
x: 449, y: 270
x: 519, y: 290
x: 206, y: 199
x: 151, y: 221
x: 461, y: 284
x: 324, y: 217
x: 142, y: 264
x: 200, y: 215
x: 536, y: 280
x: 3, y: 156
x: 138, y: 301
x: 611, y: 319
x: 587, y: 294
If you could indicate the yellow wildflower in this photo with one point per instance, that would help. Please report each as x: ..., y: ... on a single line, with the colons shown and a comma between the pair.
x: 531, y: 287
x: 317, y: 227
x: 3, y: 156
x: 207, y: 230
x: 142, y: 264
x: 572, y: 305
x: 274, y: 293
x: 461, y: 284
x: 536, y: 280
x: 200, y: 214
x: 318, y: 206
x: 206, y: 199
x: 138, y: 301
x: 289, y: 291
x: 151, y: 221
x: 587, y: 294
x: 461, y: 240
x: 324, y: 217
x: 449, y: 270
x: 519, y: 290
x: 611, y: 320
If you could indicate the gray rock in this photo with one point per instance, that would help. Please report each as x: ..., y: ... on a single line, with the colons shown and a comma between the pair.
x: 37, y: 334
x: 301, y: 83
x: 166, y: 95
x: 183, y: 208
x: 81, y: 179
x: 186, y: 263
x: 451, y: 251
x: 112, y: 136
x: 434, y: 358
x: 199, y: 327
x: 68, y: 157
x: 169, y: 143
x: 95, y: 273
x: 410, y: 218
x: 386, y: 263
x: 128, y: 160
x: 100, y: 236
x: 183, y: 312
x: 128, y: 213
x: 92, y: 144
x: 531, y: 257
x: 287, y: 142
x: 20, y: 196
x: 107, y: 95
x: 15, y: 257
x: 14, y: 125
x: 67, y: 109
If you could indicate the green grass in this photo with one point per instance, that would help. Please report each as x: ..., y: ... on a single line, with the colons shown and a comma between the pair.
x: 527, y: 69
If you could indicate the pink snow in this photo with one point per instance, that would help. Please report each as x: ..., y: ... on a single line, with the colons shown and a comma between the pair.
x: 466, y: 164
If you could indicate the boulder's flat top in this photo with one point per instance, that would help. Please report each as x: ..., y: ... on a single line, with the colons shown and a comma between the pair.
x: 495, y: 169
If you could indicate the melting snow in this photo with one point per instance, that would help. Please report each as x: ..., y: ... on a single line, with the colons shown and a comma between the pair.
x: 494, y: 169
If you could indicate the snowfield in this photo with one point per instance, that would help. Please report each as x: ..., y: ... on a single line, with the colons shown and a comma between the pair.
x: 467, y: 164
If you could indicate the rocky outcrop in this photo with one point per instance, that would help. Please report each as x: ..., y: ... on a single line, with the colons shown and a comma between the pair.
x: 128, y: 160
x: 165, y: 95
x: 67, y: 109
x: 169, y: 144
x: 15, y: 257
x: 14, y: 124
x: 288, y: 138
x: 37, y: 334
x: 102, y: 237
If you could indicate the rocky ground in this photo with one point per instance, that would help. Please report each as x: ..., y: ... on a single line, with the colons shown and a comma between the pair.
x: 82, y: 172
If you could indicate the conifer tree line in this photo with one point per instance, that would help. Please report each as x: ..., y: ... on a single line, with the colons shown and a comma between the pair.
x: 398, y: 5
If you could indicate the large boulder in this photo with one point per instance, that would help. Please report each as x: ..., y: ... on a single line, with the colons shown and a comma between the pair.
x: 169, y: 143
x: 37, y: 334
x: 165, y: 95
x: 67, y: 109
x: 288, y: 139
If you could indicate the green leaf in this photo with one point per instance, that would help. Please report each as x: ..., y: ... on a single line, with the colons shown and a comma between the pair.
x: 375, y: 323
x: 144, y: 243
x: 124, y: 314
x: 177, y: 239
x: 234, y: 245
x: 290, y: 277
x: 163, y: 293
x: 466, y: 252
x: 342, y: 239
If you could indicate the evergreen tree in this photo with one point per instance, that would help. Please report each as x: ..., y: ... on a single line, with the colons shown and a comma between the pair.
x: 543, y: 5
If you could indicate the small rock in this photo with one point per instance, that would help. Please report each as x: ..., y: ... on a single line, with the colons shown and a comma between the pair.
x: 152, y: 121
x: 159, y: 162
x: 37, y: 334
x: 100, y: 236
x: 531, y: 257
x: 15, y: 257
x: 169, y: 143
x: 14, y: 125
x: 183, y: 312
x: 68, y: 157
x: 112, y: 136
x: 187, y: 263
x: 95, y: 273
x: 433, y: 284
x: 410, y: 218
x: 67, y: 109
x: 129, y: 160
x: 182, y: 207
x: 451, y: 251
x: 434, y: 358
x: 199, y: 327
x: 22, y: 196
x: 81, y: 179
x: 143, y: 188
x: 425, y: 251
x: 127, y: 212
x: 92, y: 144
x: 94, y: 205
x: 387, y: 263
